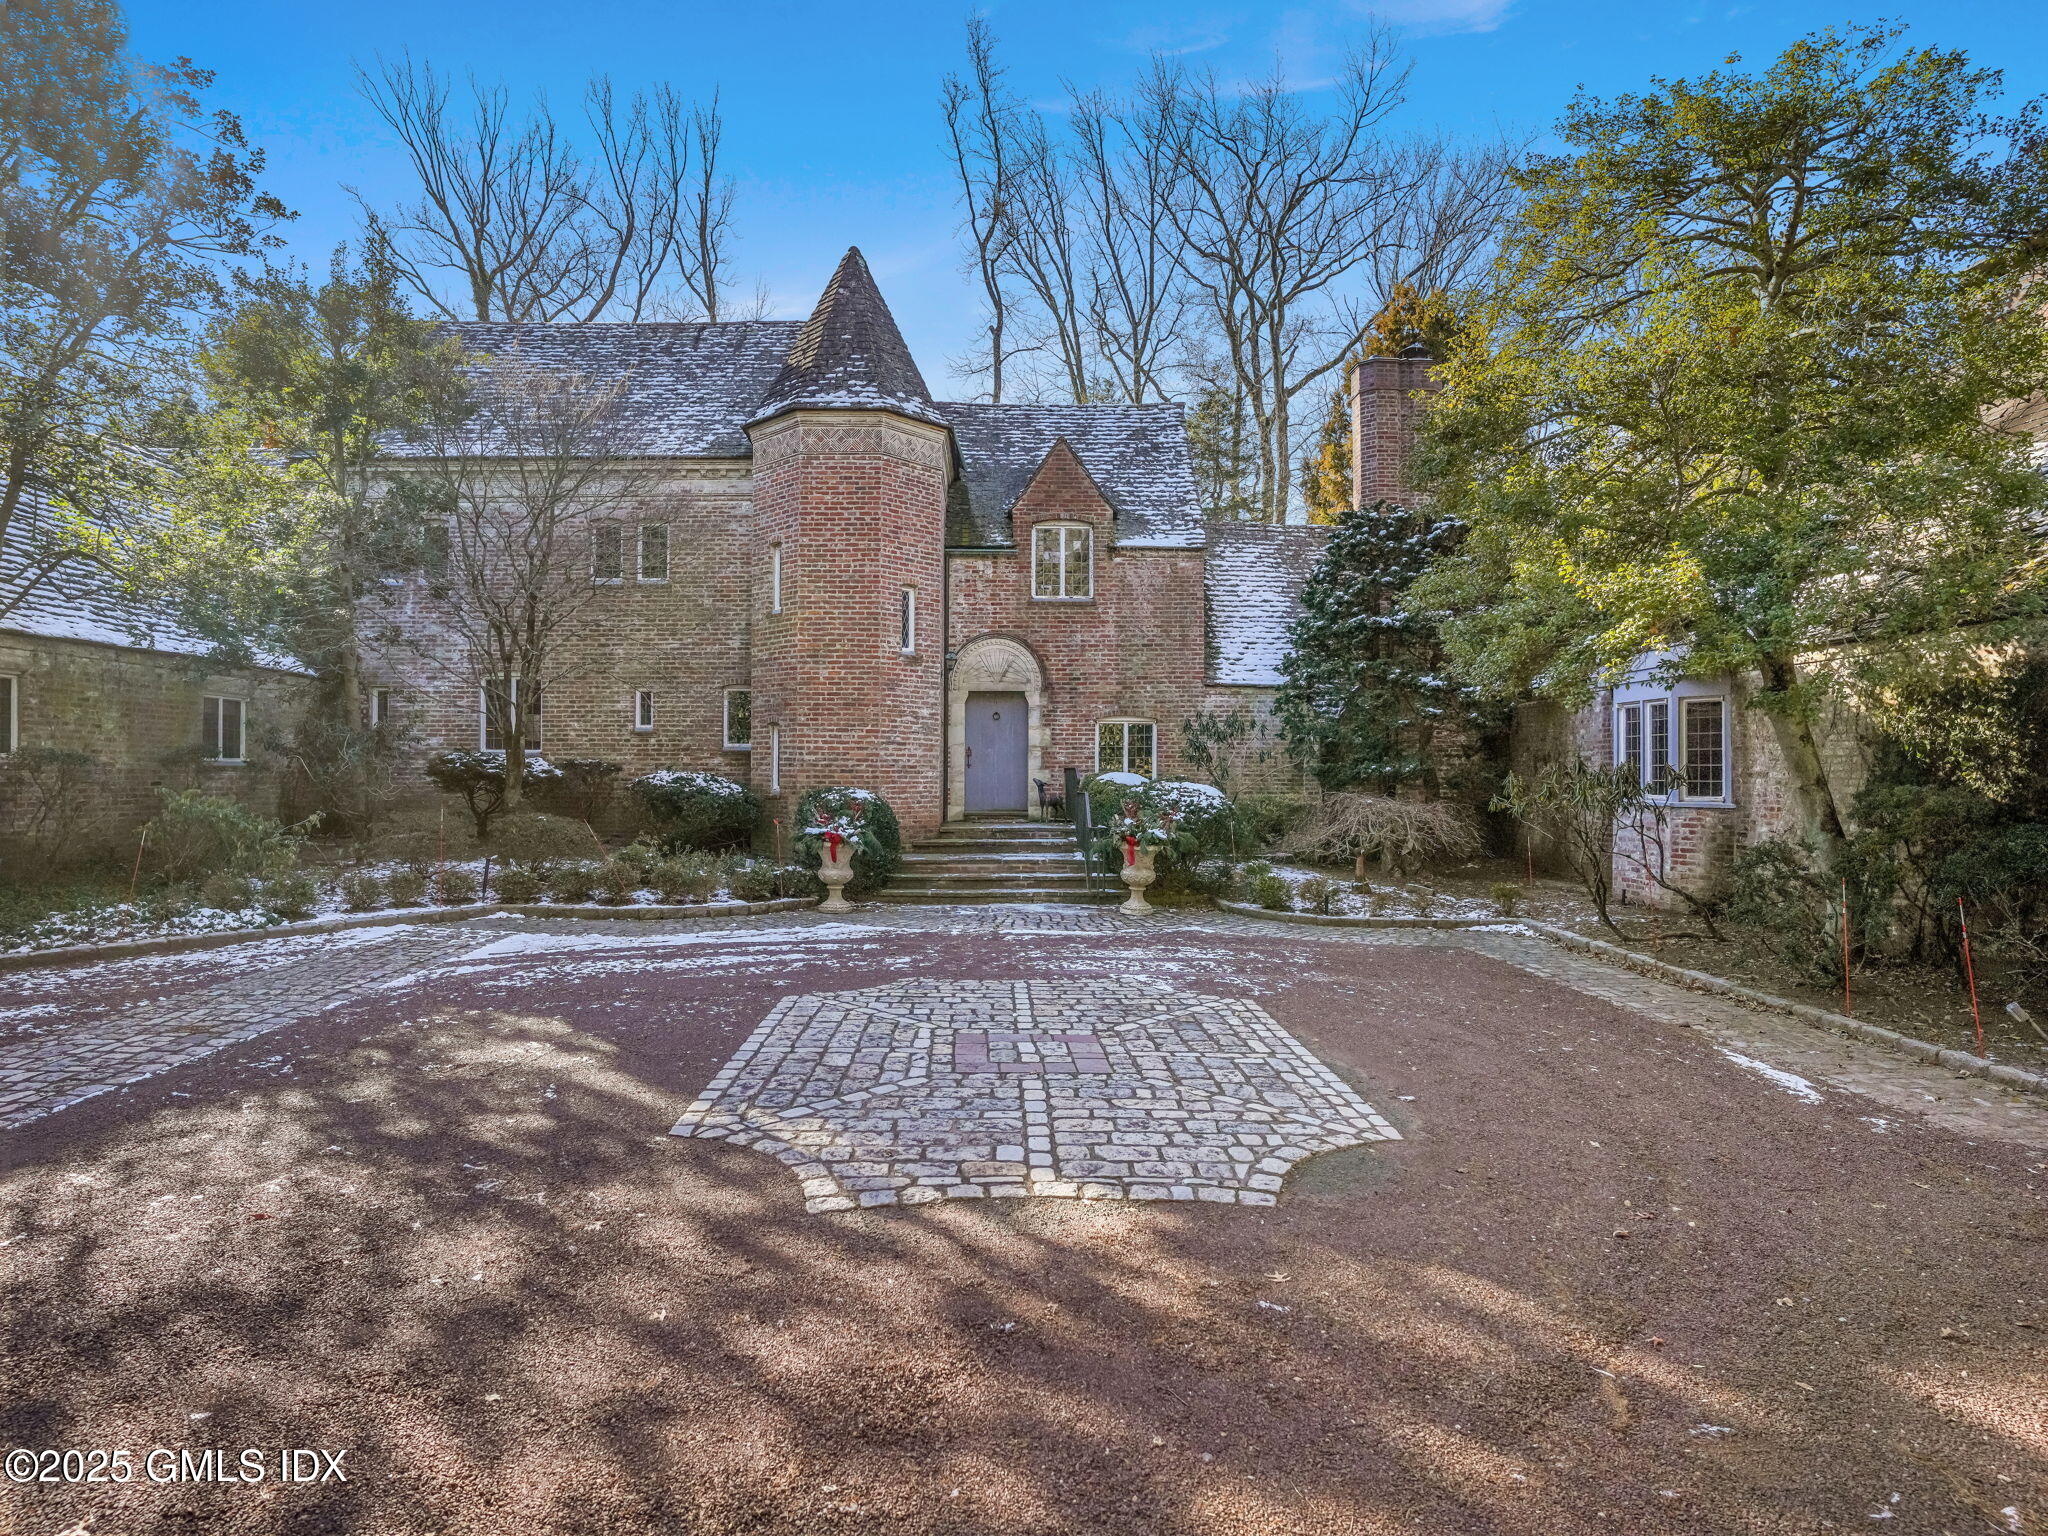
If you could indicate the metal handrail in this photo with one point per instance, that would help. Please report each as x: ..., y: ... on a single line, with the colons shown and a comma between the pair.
x: 1082, y: 816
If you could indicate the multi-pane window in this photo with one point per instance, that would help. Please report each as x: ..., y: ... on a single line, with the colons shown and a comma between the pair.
x: 1683, y: 755
x: 223, y: 728
x: 654, y: 551
x: 775, y: 578
x: 500, y: 697
x: 380, y: 707
x: 1062, y: 561
x: 10, y: 712
x: 739, y: 719
x: 906, y: 621
x: 1125, y: 746
x: 607, y: 552
x: 1705, y: 743
x: 643, y: 710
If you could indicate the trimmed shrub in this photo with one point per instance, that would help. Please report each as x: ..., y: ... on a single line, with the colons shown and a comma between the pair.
x: 227, y: 892
x: 1272, y: 893
x: 796, y: 880
x: 861, y: 816
x: 479, y: 778
x: 581, y: 787
x: 616, y: 882
x: 194, y: 835
x: 693, y: 810
x: 534, y: 841
x: 291, y: 896
x: 455, y: 886
x: 362, y: 891
x: 753, y: 880
x: 640, y: 853
x: 408, y: 888
x: 684, y: 878
x: 1314, y: 894
x: 518, y: 885
x: 573, y: 882
x: 419, y: 852
x: 1506, y: 896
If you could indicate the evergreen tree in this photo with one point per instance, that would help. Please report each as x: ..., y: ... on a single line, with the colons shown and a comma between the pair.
x: 1366, y: 695
x: 1222, y: 454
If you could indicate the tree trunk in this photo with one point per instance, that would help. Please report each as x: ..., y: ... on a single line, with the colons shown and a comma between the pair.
x: 1813, y: 800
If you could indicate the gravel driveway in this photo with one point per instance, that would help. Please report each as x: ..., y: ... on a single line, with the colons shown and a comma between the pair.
x: 1616, y: 1275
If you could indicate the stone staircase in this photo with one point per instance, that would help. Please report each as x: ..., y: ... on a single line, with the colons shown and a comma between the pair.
x: 998, y: 859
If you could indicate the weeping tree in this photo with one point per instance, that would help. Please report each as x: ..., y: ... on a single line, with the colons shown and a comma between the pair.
x: 1727, y: 394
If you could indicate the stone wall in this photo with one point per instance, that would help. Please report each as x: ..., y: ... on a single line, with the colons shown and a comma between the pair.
x: 138, y: 714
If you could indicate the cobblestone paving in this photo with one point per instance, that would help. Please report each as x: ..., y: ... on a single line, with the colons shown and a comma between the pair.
x: 60, y: 1064
x: 1095, y: 1090
x: 62, y: 1067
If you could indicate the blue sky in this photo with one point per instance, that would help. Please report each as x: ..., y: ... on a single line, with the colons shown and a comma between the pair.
x: 832, y: 123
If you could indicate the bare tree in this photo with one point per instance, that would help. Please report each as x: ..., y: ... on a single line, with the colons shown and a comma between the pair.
x: 1127, y: 180
x: 981, y: 133
x: 532, y: 490
x: 514, y: 222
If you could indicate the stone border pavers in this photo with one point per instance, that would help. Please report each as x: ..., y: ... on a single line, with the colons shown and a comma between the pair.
x: 1106, y: 1090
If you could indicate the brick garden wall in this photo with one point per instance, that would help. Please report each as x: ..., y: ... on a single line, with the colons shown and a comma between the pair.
x: 138, y: 713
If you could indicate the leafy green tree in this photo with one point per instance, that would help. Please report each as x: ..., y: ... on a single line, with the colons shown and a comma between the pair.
x: 1727, y: 394
x: 120, y: 199
x: 1367, y: 699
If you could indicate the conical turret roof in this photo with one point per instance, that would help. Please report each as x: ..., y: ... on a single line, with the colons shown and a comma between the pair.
x: 849, y: 355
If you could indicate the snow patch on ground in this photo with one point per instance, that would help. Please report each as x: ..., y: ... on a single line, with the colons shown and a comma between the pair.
x: 1791, y: 1082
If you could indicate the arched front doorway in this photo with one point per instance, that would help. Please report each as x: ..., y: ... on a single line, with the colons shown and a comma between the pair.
x: 995, y: 728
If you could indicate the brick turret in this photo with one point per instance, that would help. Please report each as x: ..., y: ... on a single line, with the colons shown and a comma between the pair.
x: 851, y: 463
x: 1386, y: 410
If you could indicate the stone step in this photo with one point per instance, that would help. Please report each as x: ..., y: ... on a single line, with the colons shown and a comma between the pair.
x: 994, y: 879
x: 994, y: 863
x: 901, y: 891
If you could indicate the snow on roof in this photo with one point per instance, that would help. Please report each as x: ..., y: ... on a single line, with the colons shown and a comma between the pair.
x: 77, y: 602
x: 1136, y: 454
x: 1254, y: 576
x: 849, y: 355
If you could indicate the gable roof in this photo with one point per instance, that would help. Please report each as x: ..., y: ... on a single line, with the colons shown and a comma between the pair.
x: 688, y: 388
x: 76, y: 602
x: 1137, y: 456
x: 849, y: 355
x: 1252, y: 580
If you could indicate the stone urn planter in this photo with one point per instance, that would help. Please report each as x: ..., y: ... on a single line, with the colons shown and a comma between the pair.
x: 1138, y: 873
x: 835, y: 868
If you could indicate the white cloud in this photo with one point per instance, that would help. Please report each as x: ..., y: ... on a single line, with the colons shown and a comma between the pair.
x: 1429, y: 18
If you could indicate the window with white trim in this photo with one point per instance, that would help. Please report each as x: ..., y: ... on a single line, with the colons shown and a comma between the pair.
x: 654, y: 551
x: 1126, y: 746
x: 10, y: 712
x: 495, y: 701
x: 774, y: 759
x: 906, y: 622
x: 223, y: 728
x: 1676, y: 747
x: 739, y: 720
x: 380, y: 707
x: 775, y: 577
x: 1062, y: 562
x: 607, y: 553
x: 643, y: 709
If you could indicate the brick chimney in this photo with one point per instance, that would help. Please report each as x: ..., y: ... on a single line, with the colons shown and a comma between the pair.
x: 1385, y: 413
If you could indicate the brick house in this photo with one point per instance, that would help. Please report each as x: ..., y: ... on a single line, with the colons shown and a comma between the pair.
x: 834, y: 578
x: 82, y: 670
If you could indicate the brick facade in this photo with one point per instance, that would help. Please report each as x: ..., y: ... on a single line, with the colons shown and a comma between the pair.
x: 1388, y: 398
x: 137, y: 713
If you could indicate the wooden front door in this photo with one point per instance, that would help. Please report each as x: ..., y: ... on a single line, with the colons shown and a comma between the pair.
x: 998, y: 764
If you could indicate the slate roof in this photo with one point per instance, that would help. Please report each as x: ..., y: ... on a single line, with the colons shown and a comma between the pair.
x: 1253, y: 578
x: 689, y: 387
x: 1137, y: 454
x: 75, y: 603
x: 849, y: 355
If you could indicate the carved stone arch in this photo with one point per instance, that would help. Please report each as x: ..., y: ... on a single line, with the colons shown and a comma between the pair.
x: 991, y: 664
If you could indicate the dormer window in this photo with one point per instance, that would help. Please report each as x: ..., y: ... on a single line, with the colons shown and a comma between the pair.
x: 1062, y: 562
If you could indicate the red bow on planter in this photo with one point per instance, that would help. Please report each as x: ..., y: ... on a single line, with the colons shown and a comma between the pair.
x: 832, y: 842
x: 1130, y: 849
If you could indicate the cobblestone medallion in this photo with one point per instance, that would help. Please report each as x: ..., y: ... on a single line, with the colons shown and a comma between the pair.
x: 926, y: 1090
